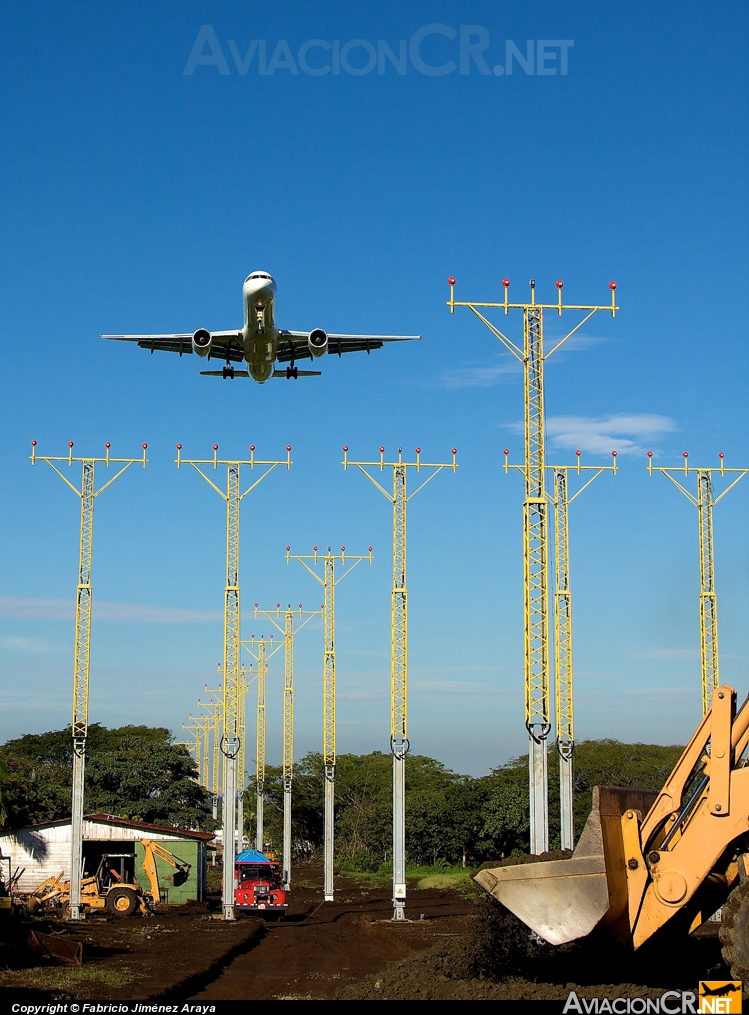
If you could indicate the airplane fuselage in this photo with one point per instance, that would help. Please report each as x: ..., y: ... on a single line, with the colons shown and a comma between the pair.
x: 259, y: 333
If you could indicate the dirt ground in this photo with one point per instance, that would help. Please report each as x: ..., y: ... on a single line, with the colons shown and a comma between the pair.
x: 319, y: 948
x: 454, y: 947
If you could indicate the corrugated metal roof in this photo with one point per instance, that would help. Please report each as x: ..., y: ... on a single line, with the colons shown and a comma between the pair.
x: 113, y: 819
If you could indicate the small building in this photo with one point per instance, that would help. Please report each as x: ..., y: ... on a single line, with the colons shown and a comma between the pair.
x: 43, y: 850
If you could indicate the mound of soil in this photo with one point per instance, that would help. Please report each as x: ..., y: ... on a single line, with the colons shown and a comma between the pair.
x: 500, y: 959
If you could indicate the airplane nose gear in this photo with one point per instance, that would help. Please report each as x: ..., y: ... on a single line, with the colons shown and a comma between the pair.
x: 228, y: 372
x: 292, y: 372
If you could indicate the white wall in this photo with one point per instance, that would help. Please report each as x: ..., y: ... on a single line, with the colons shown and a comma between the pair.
x: 44, y: 852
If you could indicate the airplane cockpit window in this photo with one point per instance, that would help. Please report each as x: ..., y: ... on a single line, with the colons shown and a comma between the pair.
x: 258, y: 274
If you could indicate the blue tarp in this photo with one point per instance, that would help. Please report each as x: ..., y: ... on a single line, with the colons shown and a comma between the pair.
x: 251, y: 856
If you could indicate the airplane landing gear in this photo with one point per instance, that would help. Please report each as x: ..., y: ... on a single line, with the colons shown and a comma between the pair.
x: 292, y: 371
x: 228, y: 371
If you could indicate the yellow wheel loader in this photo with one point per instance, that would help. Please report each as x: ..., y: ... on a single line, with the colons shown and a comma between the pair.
x: 646, y: 858
x: 114, y: 886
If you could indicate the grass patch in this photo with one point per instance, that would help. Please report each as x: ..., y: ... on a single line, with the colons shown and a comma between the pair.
x: 60, y: 978
x: 442, y: 881
x: 441, y: 876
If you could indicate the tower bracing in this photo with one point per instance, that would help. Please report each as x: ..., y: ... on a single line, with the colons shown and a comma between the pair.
x: 704, y: 500
x: 329, y: 581
x: 82, y: 655
x: 230, y: 740
x: 559, y: 499
x: 399, y: 743
x: 289, y: 632
x: 535, y: 529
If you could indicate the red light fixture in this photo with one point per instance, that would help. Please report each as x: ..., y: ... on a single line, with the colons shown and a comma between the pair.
x: 612, y: 286
x: 560, y: 284
x: 451, y: 281
x: 506, y: 283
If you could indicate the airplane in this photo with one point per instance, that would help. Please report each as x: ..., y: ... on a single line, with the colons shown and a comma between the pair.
x: 260, y: 343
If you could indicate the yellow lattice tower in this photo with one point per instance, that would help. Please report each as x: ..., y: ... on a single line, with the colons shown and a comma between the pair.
x: 214, y: 706
x: 230, y: 742
x: 329, y: 582
x: 535, y: 529
x: 194, y: 731
x: 565, y: 732
x: 83, y: 600
x: 399, y: 744
x: 289, y: 632
x: 261, y: 651
x: 705, y: 500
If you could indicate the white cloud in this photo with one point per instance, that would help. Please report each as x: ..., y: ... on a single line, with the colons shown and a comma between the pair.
x: 577, y: 343
x: 620, y: 432
x: 34, y: 645
x: 32, y: 608
x: 475, y: 376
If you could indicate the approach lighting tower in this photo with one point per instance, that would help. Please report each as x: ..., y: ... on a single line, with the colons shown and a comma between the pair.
x: 563, y: 684
x: 242, y: 756
x: 328, y: 581
x: 704, y: 501
x: 230, y: 742
x: 289, y: 633
x: 83, y: 600
x: 535, y: 528
x: 258, y: 649
x: 214, y: 707
x: 399, y: 743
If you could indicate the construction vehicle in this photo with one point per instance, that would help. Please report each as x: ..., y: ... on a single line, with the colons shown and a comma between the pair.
x: 114, y: 886
x: 258, y: 884
x: 646, y: 859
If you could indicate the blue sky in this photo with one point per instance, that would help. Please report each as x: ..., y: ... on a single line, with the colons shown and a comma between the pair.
x: 136, y: 197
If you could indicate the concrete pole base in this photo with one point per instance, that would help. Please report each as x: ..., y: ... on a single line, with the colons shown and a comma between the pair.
x: 399, y: 913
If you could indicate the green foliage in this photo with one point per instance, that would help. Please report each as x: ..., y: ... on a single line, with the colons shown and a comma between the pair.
x: 451, y: 819
x: 133, y: 771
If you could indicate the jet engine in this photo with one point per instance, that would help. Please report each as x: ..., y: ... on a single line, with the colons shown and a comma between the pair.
x: 201, y: 342
x: 317, y: 342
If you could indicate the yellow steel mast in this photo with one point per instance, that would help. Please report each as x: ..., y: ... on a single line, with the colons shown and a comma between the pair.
x: 261, y: 656
x: 289, y: 632
x: 705, y: 501
x: 329, y: 582
x: 87, y: 494
x: 230, y: 742
x: 535, y: 529
x: 243, y: 688
x: 399, y: 743
x: 564, y: 711
x: 215, y: 711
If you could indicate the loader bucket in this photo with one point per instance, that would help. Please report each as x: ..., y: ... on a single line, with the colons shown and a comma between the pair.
x: 563, y: 900
x: 55, y: 948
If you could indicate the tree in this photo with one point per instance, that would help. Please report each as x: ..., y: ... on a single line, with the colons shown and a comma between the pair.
x: 134, y: 771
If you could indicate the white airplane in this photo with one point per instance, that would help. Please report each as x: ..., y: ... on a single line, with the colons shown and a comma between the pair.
x: 260, y: 343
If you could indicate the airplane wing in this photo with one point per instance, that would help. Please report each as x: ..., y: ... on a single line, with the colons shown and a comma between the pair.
x: 226, y: 345
x: 292, y: 345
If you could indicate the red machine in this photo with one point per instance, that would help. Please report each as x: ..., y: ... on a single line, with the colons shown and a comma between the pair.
x: 258, y: 881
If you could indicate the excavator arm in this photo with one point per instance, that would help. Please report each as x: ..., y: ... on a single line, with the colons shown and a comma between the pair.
x: 154, y: 850
x: 644, y: 857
